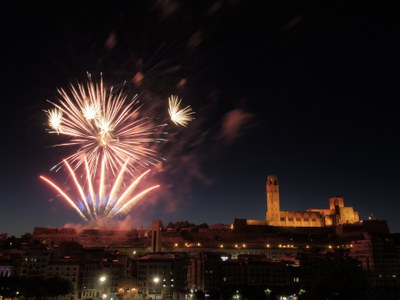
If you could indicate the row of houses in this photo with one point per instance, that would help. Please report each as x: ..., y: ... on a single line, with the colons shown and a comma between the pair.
x: 166, y: 267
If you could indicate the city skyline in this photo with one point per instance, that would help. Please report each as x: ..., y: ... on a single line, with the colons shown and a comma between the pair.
x: 308, y: 98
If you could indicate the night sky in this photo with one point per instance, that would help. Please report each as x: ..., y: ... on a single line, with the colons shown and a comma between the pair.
x: 310, y: 98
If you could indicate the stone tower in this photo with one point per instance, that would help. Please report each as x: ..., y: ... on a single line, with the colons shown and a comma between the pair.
x: 273, y: 211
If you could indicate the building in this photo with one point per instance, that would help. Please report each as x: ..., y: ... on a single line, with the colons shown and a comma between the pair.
x: 156, y: 236
x: 205, y: 270
x: 162, y: 275
x: 257, y: 270
x: 114, y: 267
x: 5, y: 268
x: 91, y: 284
x: 379, y: 257
x: 99, y: 237
x: 65, y: 269
x: 34, y: 263
x: 336, y: 214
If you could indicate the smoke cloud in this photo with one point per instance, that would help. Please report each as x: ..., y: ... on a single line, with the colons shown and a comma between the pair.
x: 233, y: 124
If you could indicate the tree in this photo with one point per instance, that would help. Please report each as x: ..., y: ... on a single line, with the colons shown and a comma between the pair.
x: 34, y: 287
x: 254, y: 293
x: 27, y: 237
x: 199, y: 295
x: 214, y: 294
x: 8, y: 286
x: 58, y: 286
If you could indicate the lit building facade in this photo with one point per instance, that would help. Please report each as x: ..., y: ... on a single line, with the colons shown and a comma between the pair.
x: 5, y: 269
x: 336, y: 214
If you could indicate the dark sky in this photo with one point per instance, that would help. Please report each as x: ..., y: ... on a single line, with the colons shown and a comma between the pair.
x: 309, y: 97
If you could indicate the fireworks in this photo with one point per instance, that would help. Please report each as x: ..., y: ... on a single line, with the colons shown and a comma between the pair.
x: 54, y: 119
x: 92, y: 205
x: 112, y: 140
x: 179, y: 116
x: 101, y: 122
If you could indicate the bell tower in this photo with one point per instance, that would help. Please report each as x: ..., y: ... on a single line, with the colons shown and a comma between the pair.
x: 273, y: 211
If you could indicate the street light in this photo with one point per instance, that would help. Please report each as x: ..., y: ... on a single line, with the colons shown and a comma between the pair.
x: 102, y: 279
x: 155, y: 280
x: 236, y: 296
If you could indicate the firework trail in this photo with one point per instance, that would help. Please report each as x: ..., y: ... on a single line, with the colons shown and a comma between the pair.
x: 179, y: 116
x: 92, y: 206
x: 100, y: 122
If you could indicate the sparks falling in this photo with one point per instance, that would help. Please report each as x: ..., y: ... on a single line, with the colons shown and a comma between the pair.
x: 99, y: 201
x: 100, y: 122
x: 179, y: 116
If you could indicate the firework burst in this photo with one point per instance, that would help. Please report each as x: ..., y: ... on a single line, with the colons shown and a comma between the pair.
x: 100, y: 122
x: 54, y: 116
x: 109, y: 201
x: 180, y: 116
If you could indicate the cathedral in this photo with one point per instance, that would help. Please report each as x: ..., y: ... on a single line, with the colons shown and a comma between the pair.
x: 336, y: 214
